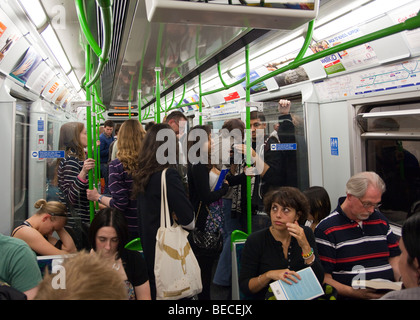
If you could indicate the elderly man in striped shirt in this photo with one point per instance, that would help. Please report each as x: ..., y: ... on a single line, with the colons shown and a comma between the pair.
x: 355, y: 241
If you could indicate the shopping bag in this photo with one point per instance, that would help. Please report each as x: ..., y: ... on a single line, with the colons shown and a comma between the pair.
x: 177, y: 273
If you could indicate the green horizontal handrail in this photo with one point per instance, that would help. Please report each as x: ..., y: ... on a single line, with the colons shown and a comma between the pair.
x: 409, y: 24
x: 225, y: 85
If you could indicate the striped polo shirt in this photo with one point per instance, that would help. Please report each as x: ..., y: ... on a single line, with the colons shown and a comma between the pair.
x: 351, y: 251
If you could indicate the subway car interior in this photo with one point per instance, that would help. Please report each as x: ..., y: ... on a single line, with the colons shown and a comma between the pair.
x: 350, y: 69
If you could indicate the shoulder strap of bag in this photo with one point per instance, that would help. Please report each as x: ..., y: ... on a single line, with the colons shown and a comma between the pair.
x: 165, y: 219
x: 210, y: 214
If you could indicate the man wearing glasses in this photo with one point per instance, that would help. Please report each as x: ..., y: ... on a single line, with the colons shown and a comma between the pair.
x: 355, y: 242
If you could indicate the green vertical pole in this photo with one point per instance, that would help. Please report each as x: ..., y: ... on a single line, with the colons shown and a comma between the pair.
x: 94, y: 138
x: 158, y: 70
x: 131, y: 97
x: 248, y: 140
x: 158, y: 106
x: 139, y: 105
x: 200, y: 104
x: 89, y: 126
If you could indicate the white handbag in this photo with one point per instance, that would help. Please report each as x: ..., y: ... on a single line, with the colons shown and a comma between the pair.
x: 177, y: 273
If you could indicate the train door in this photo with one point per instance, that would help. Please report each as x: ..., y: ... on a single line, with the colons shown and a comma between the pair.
x: 20, y: 191
x: 390, y: 133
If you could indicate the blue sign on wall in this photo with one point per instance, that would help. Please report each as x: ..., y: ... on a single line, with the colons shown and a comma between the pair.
x: 51, y: 154
x: 283, y: 146
x: 334, y: 146
x: 40, y: 125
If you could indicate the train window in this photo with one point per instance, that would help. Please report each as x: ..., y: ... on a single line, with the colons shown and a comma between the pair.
x: 392, y: 149
x: 296, y: 165
x: 298, y: 168
x: 21, y: 158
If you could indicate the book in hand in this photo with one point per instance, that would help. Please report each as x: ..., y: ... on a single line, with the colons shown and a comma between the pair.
x: 377, y: 284
x: 307, y: 288
x: 222, y: 177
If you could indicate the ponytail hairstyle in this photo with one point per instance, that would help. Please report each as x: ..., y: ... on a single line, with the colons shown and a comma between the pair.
x: 53, y: 208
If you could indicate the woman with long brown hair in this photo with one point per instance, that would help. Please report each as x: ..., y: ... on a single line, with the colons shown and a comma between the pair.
x: 202, y: 179
x: 130, y: 137
x: 159, y: 151
x: 73, y: 180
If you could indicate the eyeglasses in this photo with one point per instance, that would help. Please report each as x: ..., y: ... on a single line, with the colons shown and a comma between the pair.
x: 368, y: 205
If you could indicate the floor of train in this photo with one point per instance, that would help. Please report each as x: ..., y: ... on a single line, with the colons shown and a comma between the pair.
x: 219, y: 292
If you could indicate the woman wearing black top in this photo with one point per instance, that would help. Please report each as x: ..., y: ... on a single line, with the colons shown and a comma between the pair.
x: 159, y: 151
x: 108, y: 234
x: 278, y: 252
x: 202, y: 178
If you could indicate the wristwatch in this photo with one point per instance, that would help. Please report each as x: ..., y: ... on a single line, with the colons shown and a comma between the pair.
x: 100, y: 198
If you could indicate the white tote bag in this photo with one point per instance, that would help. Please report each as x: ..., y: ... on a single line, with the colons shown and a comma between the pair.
x: 177, y: 272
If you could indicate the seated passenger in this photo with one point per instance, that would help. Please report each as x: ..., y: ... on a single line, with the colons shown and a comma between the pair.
x: 37, y: 231
x: 82, y: 277
x: 320, y: 204
x: 18, y: 266
x: 276, y: 253
x: 409, y: 261
x: 108, y: 234
x: 355, y: 241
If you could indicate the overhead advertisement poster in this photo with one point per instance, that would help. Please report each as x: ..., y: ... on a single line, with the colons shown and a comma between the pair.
x: 289, y: 77
x: 260, y: 87
x: 9, y: 35
x: 412, y: 36
x: 347, y: 59
x: 27, y: 64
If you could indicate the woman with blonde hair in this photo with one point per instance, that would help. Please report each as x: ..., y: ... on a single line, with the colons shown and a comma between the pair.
x: 37, y: 231
x: 130, y: 137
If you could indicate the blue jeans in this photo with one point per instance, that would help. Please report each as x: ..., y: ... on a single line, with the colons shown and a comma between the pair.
x: 223, y: 274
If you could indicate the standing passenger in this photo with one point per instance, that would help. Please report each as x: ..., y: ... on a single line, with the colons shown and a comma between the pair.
x: 106, y: 139
x: 202, y: 178
x: 147, y: 184
x: 130, y: 137
x: 233, y: 131
x: 72, y: 178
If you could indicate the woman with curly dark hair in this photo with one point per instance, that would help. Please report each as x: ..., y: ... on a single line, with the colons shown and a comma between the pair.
x: 278, y: 252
